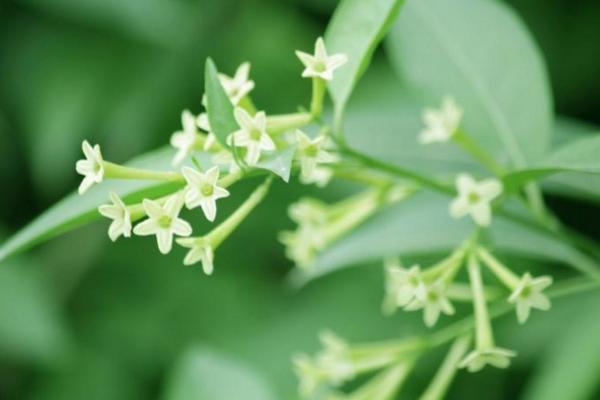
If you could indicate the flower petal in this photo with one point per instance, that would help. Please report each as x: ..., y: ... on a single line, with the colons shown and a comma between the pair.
x: 146, y: 228
x: 164, y: 239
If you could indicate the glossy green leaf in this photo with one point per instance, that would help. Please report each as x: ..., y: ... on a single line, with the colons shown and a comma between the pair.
x: 421, y: 225
x: 218, y: 106
x: 356, y: 29
x: 571, y: 367
x: 76, y: 210
x: 479, y: 52
x: 205, y: 375
x: 383, y: 120
x: 577, y: 156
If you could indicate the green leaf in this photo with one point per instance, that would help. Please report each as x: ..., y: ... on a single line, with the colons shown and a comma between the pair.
x: 279, y: 162
x: 578, y: 156
x: 391, y: 115
x: 497, y: 75
x: 572, y: 365
x: 578, y: 186
x: 206, y: 375
x: 421, y: 225
x: 76, y: 210
x: 356, y: 28
x: 218, y: 107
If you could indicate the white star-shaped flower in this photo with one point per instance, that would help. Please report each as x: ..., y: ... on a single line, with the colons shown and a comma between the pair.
x: 119, y: 213
x: 185, y: 139
x: 163, y: 222
x: 320, y: 176
x: 202, y: 190
x: 92, y: 168
x: 433, y: 301
x: 238, y: 86
x: 308, y: 373
x: 302, y: 245
x: 252, y: 134
x: 201, y: 250
x: 402, y: 285
x: 320, y: 65
x: 309, y: 211
x: 440, y: 124
x: 474, y: 198
x: 311, y: 153
x: 528, y: 294
x: 335, y: 360
x: 495, y: 356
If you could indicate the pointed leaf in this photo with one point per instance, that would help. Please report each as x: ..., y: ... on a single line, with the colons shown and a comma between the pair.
x: 279, y: 162
x: 479, y: 52
x: 356, y: 29
x: 219, y: 107
x: 577, y: 156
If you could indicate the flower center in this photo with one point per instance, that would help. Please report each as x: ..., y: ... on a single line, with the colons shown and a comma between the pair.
x: 473, y: 198
x: 320, y: 66
x: 165, y: 221
x: 413, y: 280
x: 311, y: 150
x: 206, y: 189
x: 255, y: 135
x: 432, y: 296
x: 97, y: 167
x: 526, y: 292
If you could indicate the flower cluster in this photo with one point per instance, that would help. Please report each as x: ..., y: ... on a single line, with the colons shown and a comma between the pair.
x: 339, y: 362
x: 320, y: 224
x: 197, y: 185
x: 252, y: 142
x: 428, y: 289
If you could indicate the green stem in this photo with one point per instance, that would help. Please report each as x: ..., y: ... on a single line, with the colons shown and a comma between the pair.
x: 362, y: 210
x: 483, y: 328
x: 220, y: 233
x: 465, y: 141
x: 385, y: 384
x: 318, y: 93
x: 117, y: 171
x: 589, y: 267
x: 371, y: 162
x: 277, y: 124
x: 502, y: 272
x: 441, y: 381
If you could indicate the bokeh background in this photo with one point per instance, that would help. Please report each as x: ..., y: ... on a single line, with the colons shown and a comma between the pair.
x: 83, y: 318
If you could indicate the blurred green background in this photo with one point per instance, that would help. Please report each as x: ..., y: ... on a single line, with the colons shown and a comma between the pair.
x: 81, y: 318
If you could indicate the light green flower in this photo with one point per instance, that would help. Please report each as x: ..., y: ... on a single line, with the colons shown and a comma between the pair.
x: 320, y: 65
x: 495, y: 356
x: 238, y: 86
x: 163, y: 221
x: 185, y: 139
x: 202, y: 190
x: 252, y: 134
x: 119, y: 213
x: 528, y: 294
x: 92, y: 167
x: 440, y: 124
x: 474, y: 198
